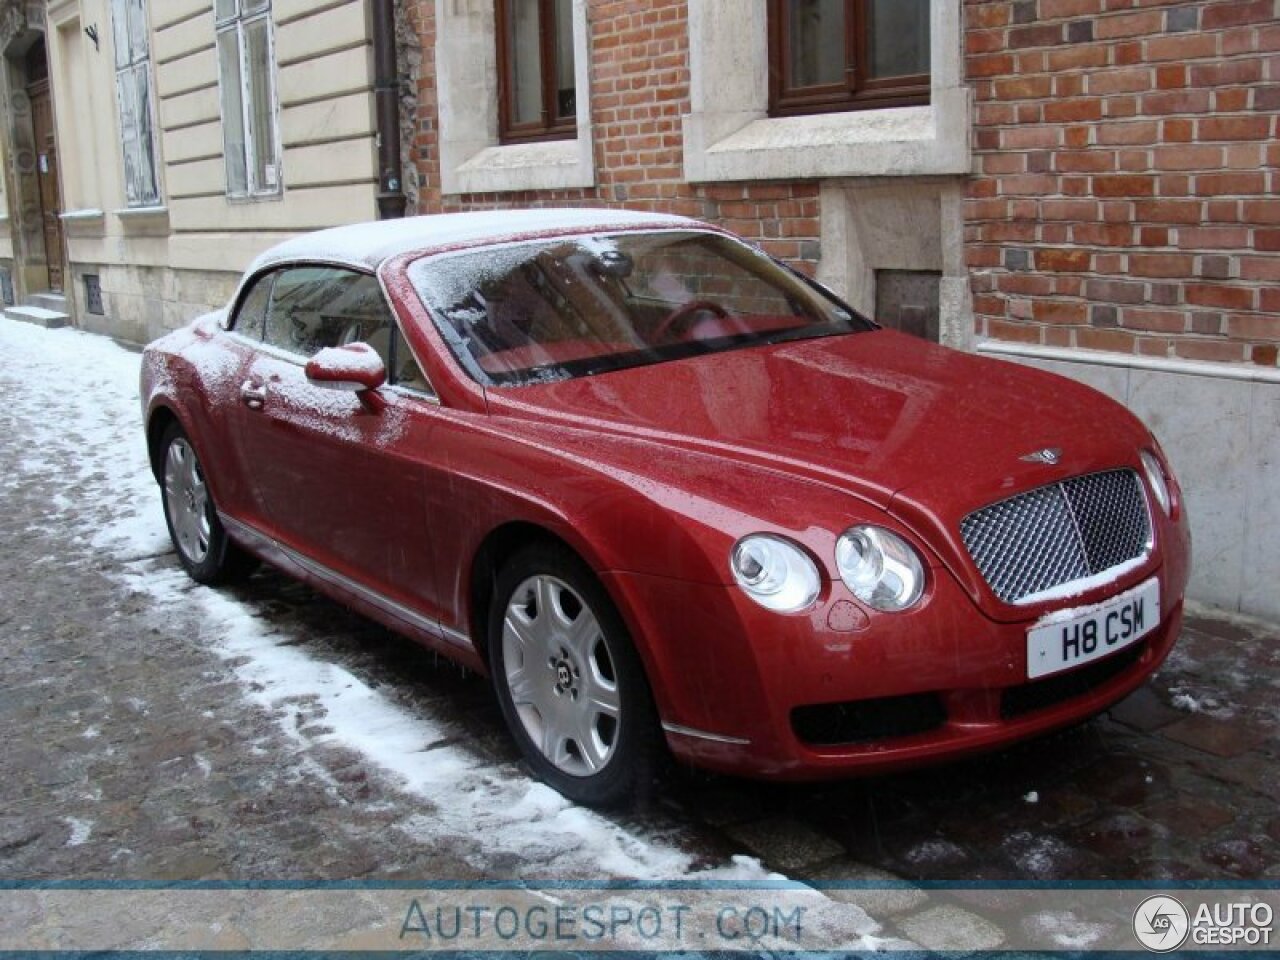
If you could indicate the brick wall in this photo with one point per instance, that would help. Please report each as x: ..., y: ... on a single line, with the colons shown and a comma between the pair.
x: 1126, y: 193
x: 640, y: 89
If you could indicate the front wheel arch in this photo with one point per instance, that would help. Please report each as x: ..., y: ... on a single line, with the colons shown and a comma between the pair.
x: 497, y: 547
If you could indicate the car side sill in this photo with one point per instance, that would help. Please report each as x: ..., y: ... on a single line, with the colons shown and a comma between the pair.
x: 703, y: 735
x: 271, y: 546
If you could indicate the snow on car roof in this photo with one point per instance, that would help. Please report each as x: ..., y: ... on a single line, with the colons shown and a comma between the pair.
x: 370, y: 244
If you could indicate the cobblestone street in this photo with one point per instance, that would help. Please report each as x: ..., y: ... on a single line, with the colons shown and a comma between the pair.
x: 160, y: 730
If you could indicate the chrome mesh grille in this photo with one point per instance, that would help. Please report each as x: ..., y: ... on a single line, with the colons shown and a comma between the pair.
x: 1055, y: 534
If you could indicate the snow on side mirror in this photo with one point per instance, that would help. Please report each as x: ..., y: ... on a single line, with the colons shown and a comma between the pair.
x: 355, y: 367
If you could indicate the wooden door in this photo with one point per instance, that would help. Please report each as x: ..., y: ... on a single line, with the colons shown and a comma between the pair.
x: 47, y: 172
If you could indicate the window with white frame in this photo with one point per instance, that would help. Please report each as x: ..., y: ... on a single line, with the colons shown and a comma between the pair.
x: 133, y: 92
x: 246, y: 70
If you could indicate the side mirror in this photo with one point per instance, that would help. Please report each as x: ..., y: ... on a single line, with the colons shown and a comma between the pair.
x: 355, y: 367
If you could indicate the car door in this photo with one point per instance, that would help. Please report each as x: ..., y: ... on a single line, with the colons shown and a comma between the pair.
x: 336, y: 473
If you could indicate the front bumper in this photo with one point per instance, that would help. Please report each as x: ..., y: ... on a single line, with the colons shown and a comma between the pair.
x: 743, y: 690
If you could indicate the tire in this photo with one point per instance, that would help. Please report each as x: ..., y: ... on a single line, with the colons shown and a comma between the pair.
x: 569, y: 681
x: 201, y: 542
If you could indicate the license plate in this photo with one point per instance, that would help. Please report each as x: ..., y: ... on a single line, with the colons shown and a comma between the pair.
x: 1069, y: 638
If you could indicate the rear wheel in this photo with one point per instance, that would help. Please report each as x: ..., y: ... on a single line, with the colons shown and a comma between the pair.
x: 204, y: 549
x: 571, y: 686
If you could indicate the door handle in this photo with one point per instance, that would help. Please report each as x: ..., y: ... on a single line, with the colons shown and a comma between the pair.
x: 253, y: 394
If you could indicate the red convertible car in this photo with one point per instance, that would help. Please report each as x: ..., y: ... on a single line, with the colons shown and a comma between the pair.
x: 664, y: 490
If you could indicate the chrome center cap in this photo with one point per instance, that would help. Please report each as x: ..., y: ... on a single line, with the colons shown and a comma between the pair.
x: 564, y: 678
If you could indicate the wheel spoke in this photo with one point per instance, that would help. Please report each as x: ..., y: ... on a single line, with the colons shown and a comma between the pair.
x: 593, y: 752
x: 525, y: 689
x: 520, y: 629
x: 549, y: 610
x: 582, y: 635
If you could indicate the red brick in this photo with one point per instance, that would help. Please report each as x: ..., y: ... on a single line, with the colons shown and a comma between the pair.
x: 1234, y: 128
x: 1159, y: 321
x: 1016, y: 332
x: 1024, y: 88
x: 1262, y: 211
x: 1124, y: 186
x: 1117, y: 341
x: 1161, y: 264
x: 1171, y: 77
x: 1103, y: 234
x: 1236, y: 12
x: 1085, y: 161
x: 1077, y: 57
x: 1213, y: 238
x: 1121, y: 81
x: 1221, y: 184
x: 1130, y: 25
x: 1220, y: 295
x: 1053, y: 311
x: 1183, y: 46
x: 1069, y: 209
x: 1226, y: 73
x: 994, y: 65
x: 1218, y: 351
x: 1054, y: 9
x: 1254, y: 326
x: 1073, y: 111
x: 1188, y: 157
x: 1144, y: 131
x: 1063, y: 259
x: 1038, y: 35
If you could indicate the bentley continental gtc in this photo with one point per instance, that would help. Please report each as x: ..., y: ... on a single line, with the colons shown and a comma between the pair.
x: 669, y: 494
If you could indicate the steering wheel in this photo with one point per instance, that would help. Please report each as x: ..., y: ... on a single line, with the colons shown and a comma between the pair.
x: 684, y: 312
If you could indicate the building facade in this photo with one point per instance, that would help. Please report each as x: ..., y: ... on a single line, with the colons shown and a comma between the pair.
x: 153, y: 149
x: 1084, y: 185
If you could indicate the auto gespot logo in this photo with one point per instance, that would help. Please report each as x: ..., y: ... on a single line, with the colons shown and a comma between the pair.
x: 1162, y: 924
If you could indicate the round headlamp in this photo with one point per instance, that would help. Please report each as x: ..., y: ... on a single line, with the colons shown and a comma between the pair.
x: 880, y: 568
x: 1156, y: 480
x: 775, y: 573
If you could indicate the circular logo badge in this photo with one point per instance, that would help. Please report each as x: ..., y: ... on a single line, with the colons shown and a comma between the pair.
x: 1161, y: 923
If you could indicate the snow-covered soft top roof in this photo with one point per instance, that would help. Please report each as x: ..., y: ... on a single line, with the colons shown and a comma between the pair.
x: 368, y: 245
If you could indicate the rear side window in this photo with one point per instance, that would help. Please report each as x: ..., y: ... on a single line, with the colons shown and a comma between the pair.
x: 251, y: 319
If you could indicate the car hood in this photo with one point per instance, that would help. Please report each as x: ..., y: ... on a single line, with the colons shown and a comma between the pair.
x: 888, y: 417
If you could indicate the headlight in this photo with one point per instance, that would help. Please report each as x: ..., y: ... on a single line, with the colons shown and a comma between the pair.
x: 881, y: 568
x: 775, y: 573
x: 1156, y: 478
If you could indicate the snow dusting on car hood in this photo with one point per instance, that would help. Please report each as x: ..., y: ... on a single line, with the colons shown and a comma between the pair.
x: 880, y: 414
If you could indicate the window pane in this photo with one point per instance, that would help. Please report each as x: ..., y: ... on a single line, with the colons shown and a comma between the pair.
x: 317, y: 307
x: 261, y: 116
x: 127, y: 97
x: 148, y: 191
x: 232, y: 115
x: 566, y: 83
x: 120, y: 31
x: 407, y: 373
x: 222, y: 9
x: 253, y: 310
x: 525, y: 68
x: 138, y: 28
x: 817, y: 42
x: 899, y: 37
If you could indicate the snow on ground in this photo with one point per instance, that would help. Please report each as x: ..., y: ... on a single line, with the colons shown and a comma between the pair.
x: 78, y: 404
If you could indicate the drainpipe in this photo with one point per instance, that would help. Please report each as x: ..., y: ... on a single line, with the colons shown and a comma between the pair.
x: 386, y: 92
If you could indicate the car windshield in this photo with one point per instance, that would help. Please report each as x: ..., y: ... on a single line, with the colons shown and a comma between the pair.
x: 537, y: 312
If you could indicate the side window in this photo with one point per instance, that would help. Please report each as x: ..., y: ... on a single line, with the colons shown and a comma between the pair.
x: 406, y: 372
x: 252, y: 317
x: 317, y: 307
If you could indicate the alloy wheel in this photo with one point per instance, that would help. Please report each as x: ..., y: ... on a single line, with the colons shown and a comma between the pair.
x: 561, y: 676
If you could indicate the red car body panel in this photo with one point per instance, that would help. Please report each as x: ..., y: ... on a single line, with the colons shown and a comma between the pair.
x: 652, y: 474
